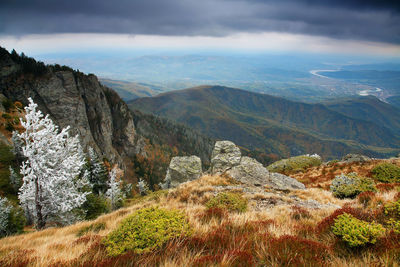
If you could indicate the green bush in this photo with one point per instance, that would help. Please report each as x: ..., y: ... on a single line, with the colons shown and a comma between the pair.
x: 94, y: 227
x: 395, y: 225
x: 95, y: 205
x: 295, y: 164
x: 351, y: 185
x: 229, y: 201
x: 392, y: 210
x: 145, y: 230
x: 356, y: 232
x: 386, y: 173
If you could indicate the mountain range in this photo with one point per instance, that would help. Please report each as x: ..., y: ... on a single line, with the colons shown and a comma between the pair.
x: 187, y: 122
x: 279, y: 126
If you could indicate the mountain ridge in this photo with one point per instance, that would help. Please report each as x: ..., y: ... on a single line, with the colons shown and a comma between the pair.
x: 207, y: 108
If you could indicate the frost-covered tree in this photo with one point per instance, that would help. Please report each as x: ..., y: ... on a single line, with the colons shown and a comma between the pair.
x: 54, y: 161
x: 114, y: 193
x: 97, y: 173
x: 15, y: 179
x: 12, y: 219
x: 127, y: 190
x: 143, y: 187
x: 5, y: 210
x: 17, y: 147
x: 17, y: 143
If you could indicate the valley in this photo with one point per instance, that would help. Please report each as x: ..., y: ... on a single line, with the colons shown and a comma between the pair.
x: 274, y: 125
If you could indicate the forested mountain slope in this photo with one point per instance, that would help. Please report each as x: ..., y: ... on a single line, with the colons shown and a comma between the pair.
x: 272, y: 124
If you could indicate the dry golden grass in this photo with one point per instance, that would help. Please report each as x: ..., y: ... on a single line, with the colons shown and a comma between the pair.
x: 58, y: 246
x: 320, y: 195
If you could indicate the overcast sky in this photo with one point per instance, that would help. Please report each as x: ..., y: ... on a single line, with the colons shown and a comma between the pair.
x: 364, y: 26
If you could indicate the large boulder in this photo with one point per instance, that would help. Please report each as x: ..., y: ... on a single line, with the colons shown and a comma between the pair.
x: 182, y: 169
x: 249, y: 171
x: 224, y: 156
x: 252, y: 172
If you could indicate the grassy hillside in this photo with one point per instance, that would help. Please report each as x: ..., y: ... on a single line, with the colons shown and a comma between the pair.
x: 271, y: 124
x: 370, y: 109
x: 275, y: 229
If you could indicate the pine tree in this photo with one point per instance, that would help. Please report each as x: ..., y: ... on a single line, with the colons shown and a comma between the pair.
x: 114, y: 193
x: 51, y: 171
x: 97, y: 173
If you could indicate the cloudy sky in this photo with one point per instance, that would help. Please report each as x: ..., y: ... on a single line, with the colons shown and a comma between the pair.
x: 350, y: 26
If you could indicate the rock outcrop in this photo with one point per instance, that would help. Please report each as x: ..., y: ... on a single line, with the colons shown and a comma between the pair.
x: 349, y: 158
x: 224, y: 156
x: 102, y: 120
x: 182, y: 169
x: 282, y: 182
x: 249, y: 171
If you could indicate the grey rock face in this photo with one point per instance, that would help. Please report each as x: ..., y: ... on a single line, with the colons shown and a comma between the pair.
x: 95, y: 112
x: 182, y: 169
x: 313, y: 204
x: 249, y: 171
x: 355, y: 158
x: 224, y: 156
x: 252, y: 172
x: 284, y: 183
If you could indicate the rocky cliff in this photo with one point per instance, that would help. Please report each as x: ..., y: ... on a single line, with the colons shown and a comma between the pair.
x: 95, y: 112
x: 140, y: 144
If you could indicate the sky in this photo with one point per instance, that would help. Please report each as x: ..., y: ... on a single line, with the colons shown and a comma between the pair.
x: 321, y: 26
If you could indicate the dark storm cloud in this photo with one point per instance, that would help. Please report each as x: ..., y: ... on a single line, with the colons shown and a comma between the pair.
x: 349, y: 19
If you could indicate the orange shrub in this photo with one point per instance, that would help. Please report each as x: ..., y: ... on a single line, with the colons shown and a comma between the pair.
x: 290, y: 250
x: 365, y: 197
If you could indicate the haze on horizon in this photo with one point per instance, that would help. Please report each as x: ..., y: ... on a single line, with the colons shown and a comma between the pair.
x: 351, y: 27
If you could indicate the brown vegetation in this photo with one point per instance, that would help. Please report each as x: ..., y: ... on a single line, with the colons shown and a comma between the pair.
x: 283, y: 235
x: 320, y: 176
